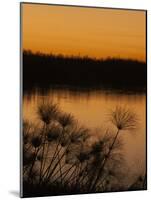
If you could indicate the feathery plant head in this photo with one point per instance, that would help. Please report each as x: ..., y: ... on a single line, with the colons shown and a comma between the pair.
x: 66, y: 119
x: 123, y: 118
x: 64, y: 141
x: 27, y: 128
x: 28, y: 157
x: 47, y: 111
x: 36, y: 141
x: 100, y: 146
x: 53, y: 133
x: 97, y: 147
x: 79, y: 135
x: 83, y: 156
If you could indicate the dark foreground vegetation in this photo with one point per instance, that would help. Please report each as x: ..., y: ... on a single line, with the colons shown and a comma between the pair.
x: 61, y: 157
x: 40, y: 70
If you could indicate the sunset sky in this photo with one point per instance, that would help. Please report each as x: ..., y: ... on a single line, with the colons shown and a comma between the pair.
x: 93, y: 32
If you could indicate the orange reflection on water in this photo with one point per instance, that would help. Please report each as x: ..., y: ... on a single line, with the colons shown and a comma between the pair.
x: 92, y: 109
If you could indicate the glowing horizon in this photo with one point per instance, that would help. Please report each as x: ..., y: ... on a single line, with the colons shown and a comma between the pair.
x: 81, y: 31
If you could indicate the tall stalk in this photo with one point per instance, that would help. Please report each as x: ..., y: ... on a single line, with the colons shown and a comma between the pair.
x: 43, y: 150
x: 65, y: 173
x: 55, y: 155
x: 104, y: 162
x: 34, y: 160
x: 50, y: 174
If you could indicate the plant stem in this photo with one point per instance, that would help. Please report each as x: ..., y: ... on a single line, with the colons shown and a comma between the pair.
x: 43, y: 150
x: 105, y: 160
x: 50, y: 174
x: 57, y: 151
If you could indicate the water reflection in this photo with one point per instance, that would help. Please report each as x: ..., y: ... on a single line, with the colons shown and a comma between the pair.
x: 91, y: 109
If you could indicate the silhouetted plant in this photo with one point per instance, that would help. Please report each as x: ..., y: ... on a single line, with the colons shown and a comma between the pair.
x: 47, y: 111
x: 66, y: 119
x: 139, y: 183
x: 123, y: 119
x: 36, y: 141
x: 60, y: 157
x: 53, y: 133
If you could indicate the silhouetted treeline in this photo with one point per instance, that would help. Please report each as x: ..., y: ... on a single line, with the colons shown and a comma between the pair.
x: 40, y: 70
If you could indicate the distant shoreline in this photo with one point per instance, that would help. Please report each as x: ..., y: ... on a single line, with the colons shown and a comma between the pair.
x: 83, y: 73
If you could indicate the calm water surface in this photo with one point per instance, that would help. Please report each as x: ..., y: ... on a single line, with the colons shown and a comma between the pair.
x: 92, y: 109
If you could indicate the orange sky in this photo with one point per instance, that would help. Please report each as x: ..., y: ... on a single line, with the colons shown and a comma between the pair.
x: 94, y: 32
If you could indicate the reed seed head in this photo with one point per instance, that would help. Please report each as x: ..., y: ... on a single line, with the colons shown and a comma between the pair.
x: 123, y: 119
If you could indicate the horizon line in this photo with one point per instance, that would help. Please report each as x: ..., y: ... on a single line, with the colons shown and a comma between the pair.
x: 81, y: 56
